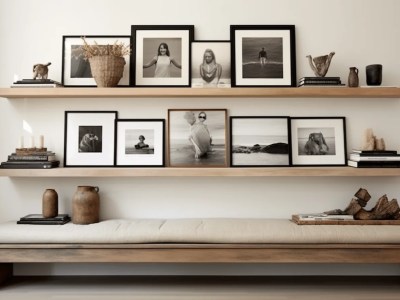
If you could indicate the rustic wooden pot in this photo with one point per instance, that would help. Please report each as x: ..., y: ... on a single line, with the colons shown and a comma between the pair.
x: 50, y: 204
x: 353, y: 77
x: 86, y: 205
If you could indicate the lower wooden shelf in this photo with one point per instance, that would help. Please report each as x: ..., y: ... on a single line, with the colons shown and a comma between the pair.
x: 202, y: 172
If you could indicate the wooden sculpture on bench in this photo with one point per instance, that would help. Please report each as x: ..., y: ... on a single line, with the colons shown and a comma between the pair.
x: 383, y: 210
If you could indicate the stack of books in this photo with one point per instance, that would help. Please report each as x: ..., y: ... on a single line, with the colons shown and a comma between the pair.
x: 31, y: 158
x: 322, y: 216
x: 320, y: 82
x: 37, y: 219
x: 36, y: 83
x: 374, y: 159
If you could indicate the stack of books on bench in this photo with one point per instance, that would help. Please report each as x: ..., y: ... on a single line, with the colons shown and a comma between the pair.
x: 31, y: 158
x: 374, y: 159
x: 320, y: 82
x: 36, y: 83
x: 37, y: 219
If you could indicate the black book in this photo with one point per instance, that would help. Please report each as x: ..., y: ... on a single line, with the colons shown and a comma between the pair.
x: 37, y: 81
x: 375, y: 152
x: 30, y: 164
x: 320, y: 78
x: 373, y: 164
x: 28, y: 158
x: 37, y: 219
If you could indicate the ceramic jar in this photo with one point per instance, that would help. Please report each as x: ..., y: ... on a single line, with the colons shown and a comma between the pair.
x: 50, y: 204
x: 374, y: 74
x: 86, y: 205
x: 353, y: 77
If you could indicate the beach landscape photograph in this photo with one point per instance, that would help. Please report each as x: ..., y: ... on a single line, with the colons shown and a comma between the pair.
x: 262, y: 57
x: 197, y: 138
x: 260, y: 141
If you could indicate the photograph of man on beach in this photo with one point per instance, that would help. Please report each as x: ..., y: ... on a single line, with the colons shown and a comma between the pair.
x: 197, y: 138
x: 262, y: 57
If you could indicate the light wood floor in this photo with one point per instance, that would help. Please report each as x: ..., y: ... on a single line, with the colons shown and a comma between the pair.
x: 204, y: 288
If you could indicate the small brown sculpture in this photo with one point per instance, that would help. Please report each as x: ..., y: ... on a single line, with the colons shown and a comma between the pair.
x: 383, y: 210
x: 41, y: 71
x: 322, y: 64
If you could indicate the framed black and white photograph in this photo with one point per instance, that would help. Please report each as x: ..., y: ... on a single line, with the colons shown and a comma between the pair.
x: 161, y: 55
x: 89, y: 138
x: 140, y: 142
x: 76, y: 69
x: 197, y: 137
x: 263, y: 55
x: 211, y: 64
x: 318, y: 141
x: 260, y: 141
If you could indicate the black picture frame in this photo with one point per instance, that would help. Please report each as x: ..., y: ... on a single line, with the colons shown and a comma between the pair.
x: 331, y: 152
x: 121, y: 159
x: 66, y: 66
x: 82, y: 145
x: 181, y: 149
x: 224, y: 62
x: 284, y: 60
x: 282, y: 142
x: 183, y: 32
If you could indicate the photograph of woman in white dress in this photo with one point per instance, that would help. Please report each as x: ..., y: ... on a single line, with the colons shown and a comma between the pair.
x: 197, y: 138
x: 165, y: 64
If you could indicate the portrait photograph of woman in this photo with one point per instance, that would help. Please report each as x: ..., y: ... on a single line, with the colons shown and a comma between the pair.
x: 197, y: 138
x: 211, y: 64
x: 161, y: 55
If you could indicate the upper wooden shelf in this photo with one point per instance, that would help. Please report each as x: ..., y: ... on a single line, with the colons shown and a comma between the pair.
x: 201, y: 172
x: 382, y: 92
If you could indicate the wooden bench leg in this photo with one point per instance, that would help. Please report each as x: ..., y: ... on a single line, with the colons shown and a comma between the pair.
x: 6, y: 272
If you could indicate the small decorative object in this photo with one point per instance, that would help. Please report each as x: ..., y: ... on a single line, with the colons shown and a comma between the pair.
x: 259, y: 141
x: 353, y: 77
x: 50, y: 203
x: 86, y: 205
x: 106, y: 62
x: 211, y: 64
x: 318, y: 141
x: 76, y: 69
x: 263, y: 55
x: 162, y: 56
x: 197, y: 138
x: 321, y: 64
x: 41, y: 71
x: 371, y: 143
x: 140, y: 142
x: 383, y: 210
x: 374, y: 74
x: 89, y: 138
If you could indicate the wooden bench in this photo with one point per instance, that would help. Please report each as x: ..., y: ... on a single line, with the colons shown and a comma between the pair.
x: 194, y: 253
x: 196, y: 241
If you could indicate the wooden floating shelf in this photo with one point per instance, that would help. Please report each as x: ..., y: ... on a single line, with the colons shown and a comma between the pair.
x: 315, y: 92
x: 202, y: 172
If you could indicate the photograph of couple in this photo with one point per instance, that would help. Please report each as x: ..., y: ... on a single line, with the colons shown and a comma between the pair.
x: 197, y: 138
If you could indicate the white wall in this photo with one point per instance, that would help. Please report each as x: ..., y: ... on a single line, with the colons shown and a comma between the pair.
x: 361, y: 32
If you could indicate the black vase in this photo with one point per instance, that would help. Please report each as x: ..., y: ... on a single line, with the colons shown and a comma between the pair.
x: 374, y: 74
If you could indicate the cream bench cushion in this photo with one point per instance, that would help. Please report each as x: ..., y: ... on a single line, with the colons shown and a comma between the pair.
x: 246, y: 231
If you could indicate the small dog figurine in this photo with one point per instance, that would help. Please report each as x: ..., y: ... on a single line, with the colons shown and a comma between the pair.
x: 41, y: 71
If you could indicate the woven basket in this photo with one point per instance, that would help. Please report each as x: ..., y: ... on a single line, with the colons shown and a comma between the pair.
x: 107, y: 70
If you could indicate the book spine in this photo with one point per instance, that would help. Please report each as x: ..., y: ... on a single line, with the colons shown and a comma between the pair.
x: 29, y: 158
x: 375, y: 158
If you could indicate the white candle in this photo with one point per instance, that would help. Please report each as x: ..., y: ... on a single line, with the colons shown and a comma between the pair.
x: 41, y: 141
x: 22, y: 141
x: 33, y: 141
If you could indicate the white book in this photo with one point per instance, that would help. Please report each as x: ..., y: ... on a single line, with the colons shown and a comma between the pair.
x: 355, y: 157
x: 322, y: 216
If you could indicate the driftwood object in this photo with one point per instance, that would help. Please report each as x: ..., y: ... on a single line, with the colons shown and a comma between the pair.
x: 383, y: 210
x: 371, y: 142
x: 321, y: 64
